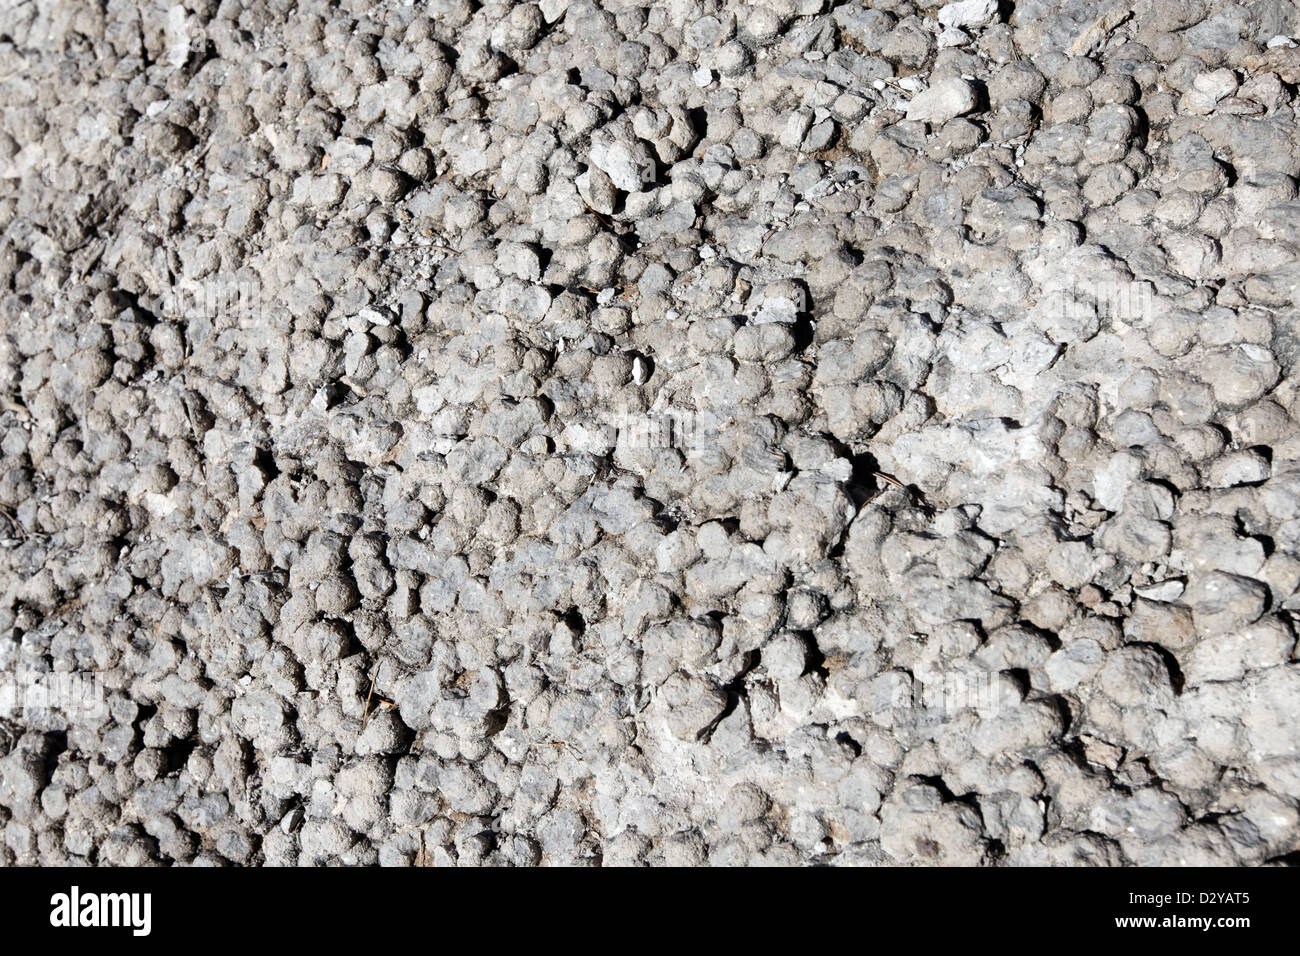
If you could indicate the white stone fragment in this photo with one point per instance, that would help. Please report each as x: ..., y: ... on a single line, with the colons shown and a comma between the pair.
x: 942, y: 102
x: 968, y: 13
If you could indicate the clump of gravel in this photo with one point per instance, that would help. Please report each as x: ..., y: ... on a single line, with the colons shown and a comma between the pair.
x: 676, y: 433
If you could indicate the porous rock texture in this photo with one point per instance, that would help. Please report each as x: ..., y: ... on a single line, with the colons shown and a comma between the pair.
x: 675, y: 433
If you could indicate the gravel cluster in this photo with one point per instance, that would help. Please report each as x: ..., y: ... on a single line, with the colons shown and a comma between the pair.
x: 693, y: 432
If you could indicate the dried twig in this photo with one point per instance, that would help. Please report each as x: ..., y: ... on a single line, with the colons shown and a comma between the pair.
x: 365, y: 714
x: 915, y: 497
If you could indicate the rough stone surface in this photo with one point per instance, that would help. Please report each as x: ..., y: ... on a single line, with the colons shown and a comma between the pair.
x: 624, y: 433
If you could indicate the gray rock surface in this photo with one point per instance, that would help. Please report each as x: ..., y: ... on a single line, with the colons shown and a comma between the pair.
x: 611, y: 432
